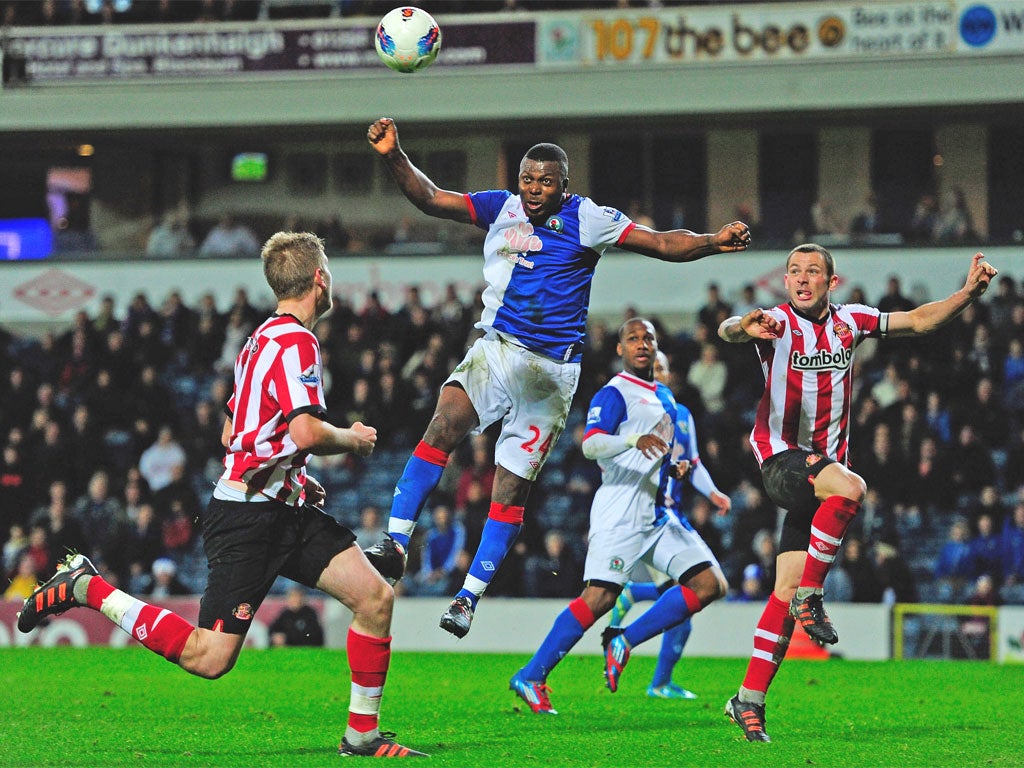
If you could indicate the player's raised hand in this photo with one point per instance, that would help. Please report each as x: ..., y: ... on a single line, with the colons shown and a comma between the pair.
x: 364, y: 439
x: 979, y: 277
x: 758, y: 324
x: 732, y: 237
x: 383, y: 135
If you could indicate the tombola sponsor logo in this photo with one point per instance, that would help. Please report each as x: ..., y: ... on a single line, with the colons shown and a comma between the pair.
x: 822, y: 360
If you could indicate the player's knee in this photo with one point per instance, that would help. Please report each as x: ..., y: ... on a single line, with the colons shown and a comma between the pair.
x: 856, y: 488
x: 377, y: 603
x: 715, y: 587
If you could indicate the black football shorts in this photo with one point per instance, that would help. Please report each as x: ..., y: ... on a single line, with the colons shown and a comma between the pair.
x: 249, y: 544
x: 788, y: 479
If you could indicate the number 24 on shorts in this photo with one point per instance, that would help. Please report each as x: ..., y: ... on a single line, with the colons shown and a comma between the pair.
x: 542, y: 448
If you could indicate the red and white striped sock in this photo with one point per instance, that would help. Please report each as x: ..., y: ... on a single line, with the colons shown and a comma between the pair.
x: 828, y: 526
x: 158, y: 629
x: 368, y: 659
x: 771, y: 640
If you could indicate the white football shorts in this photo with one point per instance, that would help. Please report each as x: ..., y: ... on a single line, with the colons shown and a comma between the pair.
x: 670, y: 548
x: 529, y: 392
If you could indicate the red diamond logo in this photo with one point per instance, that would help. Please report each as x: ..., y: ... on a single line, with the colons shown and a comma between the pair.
x: 54, y: 292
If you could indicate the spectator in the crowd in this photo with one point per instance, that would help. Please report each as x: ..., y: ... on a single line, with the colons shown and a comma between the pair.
x: 953, y: 567
x: 702, y: 518
x: 868, y: 221
x: 444, y: 540
x: 971, y: 464
x: 164, y: 581
x: 201, y: 436
x: 709, y: 376
x: 298, y: 623
x: 39, y: 549
x: 99, y: 514
x: 24, y: 580
x: 986, y: 415
x: 954, y: 225
x: 986, y: 554
x: 824, y: 219
x: 553, y: 572
x: 63, y: 531
x: 921, y: 227
x: 481, y: 469
x: 14, y: 547
x: 152, y: 401
x: 715, y: 308
x: 982, y: 353
x: 15, y: 488
x: 1012, y: 547
x: 926, y: 485
x: 894, y: 575
x: 882, y: 468
x: 747, y: 301
x: 860, y: 570
x: 1013, y: 373
x: 170, y: 239
x: 1002, y: 303
x: 938, y: 418
x: 178, y: 529
x: 894, y: 300
x: 140, y: 542
x: 752, y: 589
x: 163, y: 460
x: 335, y: 236
x: 236, y: 331
x: 229, y: 239
x: 371, y: 526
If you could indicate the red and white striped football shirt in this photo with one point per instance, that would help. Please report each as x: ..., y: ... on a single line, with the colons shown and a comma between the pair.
x: 808, y: 380
x: 278, y: 375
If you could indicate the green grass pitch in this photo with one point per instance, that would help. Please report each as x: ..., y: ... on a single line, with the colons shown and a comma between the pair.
x: 100, y: 707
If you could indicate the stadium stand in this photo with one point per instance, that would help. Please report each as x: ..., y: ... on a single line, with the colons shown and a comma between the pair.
x: 74, y: 395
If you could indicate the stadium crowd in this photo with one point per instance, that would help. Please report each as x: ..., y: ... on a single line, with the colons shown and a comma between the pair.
x: 110, y: 434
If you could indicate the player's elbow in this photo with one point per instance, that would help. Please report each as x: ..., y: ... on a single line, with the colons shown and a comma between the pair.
x: 589, y: 449
x: 304, y: 433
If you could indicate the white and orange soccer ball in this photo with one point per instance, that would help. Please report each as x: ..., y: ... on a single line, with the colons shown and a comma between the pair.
x: 408, y: 39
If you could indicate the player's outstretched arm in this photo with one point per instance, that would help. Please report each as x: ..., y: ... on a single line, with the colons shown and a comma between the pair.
x: 321, y: 438
x: 678, y: 245
x: 415, y: 185
x: 756, y: 324
x: 928, y: 317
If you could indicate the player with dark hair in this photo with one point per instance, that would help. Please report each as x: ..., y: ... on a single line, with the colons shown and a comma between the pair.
x: 540, y: 252
x: 266, y: 515
x: 687, y: 458
x: 631, y: 429
x: 800, y: 435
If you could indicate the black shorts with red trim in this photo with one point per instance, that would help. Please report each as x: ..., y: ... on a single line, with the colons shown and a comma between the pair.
x: 249, y: 544
x: 788, y: 479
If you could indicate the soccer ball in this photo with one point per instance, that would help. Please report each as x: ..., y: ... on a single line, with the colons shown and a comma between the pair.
x: 408, y: 39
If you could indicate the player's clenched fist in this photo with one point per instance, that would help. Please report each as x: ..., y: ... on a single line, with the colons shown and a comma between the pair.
x: 383, y: 135
x: 364, y: 439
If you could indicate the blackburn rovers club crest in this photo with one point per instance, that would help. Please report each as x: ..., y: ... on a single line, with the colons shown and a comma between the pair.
x: 242, y: 612
x: 555, y: 223
x: 616, y: 564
